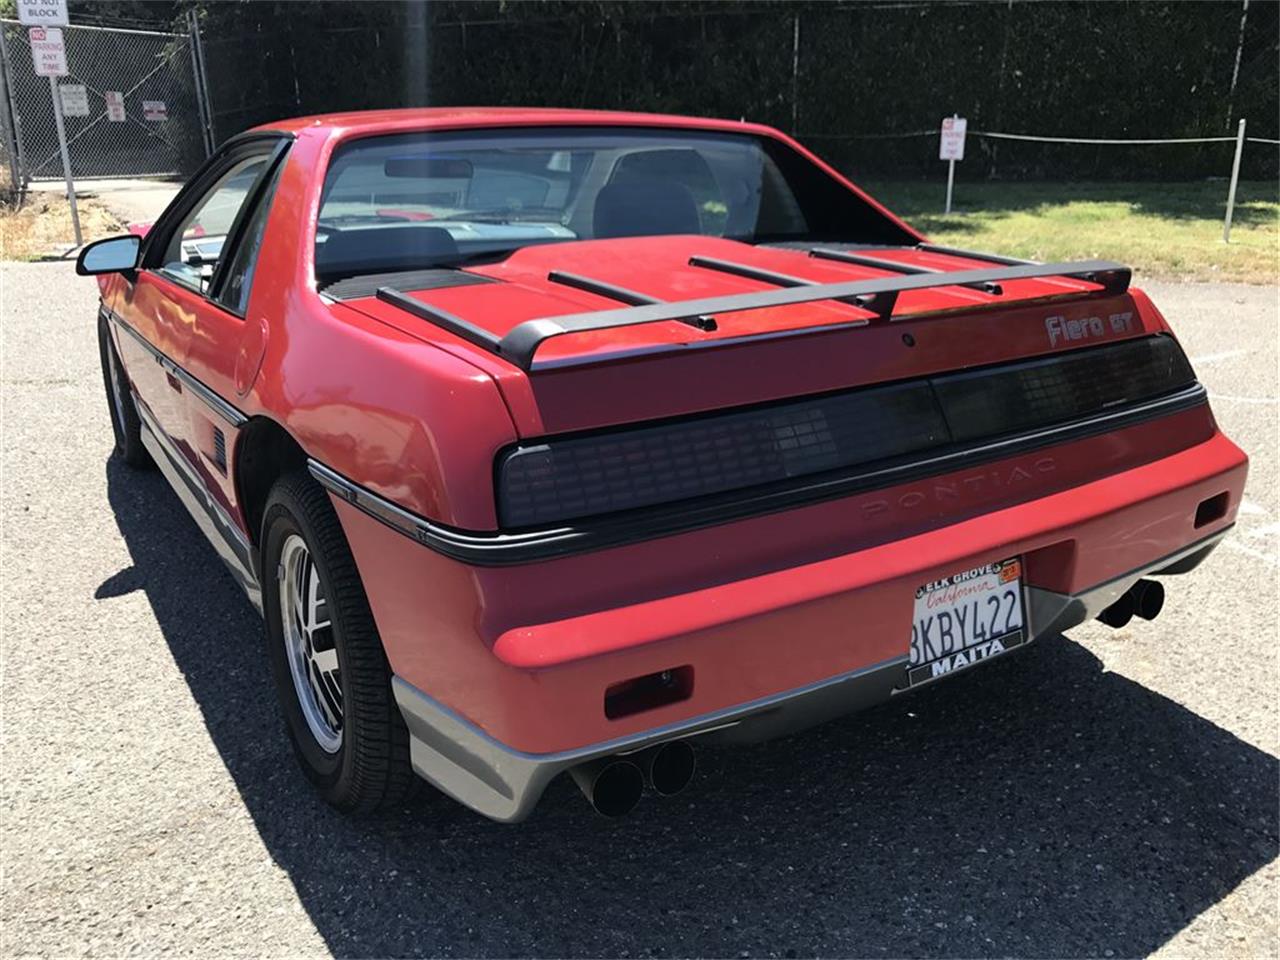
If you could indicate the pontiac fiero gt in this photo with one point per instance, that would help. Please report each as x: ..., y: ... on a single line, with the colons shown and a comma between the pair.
x: 553, y: 440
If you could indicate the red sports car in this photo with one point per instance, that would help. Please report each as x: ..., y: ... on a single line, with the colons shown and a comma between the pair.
x: 553, y: 440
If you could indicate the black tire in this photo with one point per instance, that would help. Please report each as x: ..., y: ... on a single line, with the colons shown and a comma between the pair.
x: 370, y: 769
x: 125, y: 423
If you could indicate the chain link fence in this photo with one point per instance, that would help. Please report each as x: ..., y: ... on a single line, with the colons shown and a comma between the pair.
x: 157, y: 125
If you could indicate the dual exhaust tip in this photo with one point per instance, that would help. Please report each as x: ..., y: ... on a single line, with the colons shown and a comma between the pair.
x: 1144, y: 599
x: 612, y: 785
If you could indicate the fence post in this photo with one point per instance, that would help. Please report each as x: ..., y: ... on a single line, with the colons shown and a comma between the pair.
x: 1235, y: 179
x: 205, y: 102
x: 9, y: 120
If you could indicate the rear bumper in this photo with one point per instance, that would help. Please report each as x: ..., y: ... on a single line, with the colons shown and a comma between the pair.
x: 503, y: 673
x: 504, y: 783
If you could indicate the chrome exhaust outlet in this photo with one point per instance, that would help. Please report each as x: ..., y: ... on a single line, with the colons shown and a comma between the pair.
x: 1119, y: 613
x: 668, y: 767
x: 1148, y: 598
x: 611, y: 785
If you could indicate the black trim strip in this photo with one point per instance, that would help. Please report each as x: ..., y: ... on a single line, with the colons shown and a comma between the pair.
x: 881, y: 304
x: 750, y: 272
x: 972, y: 254
x: 897, y: 266
x: 521, y: 343
x: 503, y: 548
x: 483, y: 548
x: 601, y: 289
x: 621, y: 294
x: 441, y: 318
x: 218, y: 405
x: 238, y: 548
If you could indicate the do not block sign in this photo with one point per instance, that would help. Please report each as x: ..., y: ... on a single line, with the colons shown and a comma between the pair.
x: 42, y: 13
x: 155, y: 110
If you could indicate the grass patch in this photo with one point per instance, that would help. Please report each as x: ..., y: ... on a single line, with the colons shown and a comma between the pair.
x: 1163, y: 230
x: 41, y: 227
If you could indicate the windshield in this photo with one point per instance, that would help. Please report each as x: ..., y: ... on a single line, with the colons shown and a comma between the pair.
x: 440, y: 199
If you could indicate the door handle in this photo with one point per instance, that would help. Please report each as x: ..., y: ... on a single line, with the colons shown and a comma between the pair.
x: 173, y: 381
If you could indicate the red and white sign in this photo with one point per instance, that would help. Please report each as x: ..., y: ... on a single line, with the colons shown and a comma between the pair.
x: 951, y: 145
x: 48, y: 52
x: 43, y: 13
x: 115, y: 105
x: 155, y: 110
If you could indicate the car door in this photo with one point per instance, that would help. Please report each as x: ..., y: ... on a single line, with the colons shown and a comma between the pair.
x: 226, y: 344
x: 171, y: 304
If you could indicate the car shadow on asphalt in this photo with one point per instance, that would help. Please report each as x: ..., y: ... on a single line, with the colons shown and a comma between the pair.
x: 1038, y: 807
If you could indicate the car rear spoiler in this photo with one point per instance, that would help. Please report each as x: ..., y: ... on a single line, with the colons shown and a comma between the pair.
x: 878, y: 294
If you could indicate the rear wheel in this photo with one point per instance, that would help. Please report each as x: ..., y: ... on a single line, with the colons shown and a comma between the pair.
x: 330, y: 670
x: 125, y: 423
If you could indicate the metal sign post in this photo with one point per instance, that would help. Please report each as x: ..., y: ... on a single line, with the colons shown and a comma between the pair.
x: 66, y: 160
x: 49, y: 58
x: 1235, y: 179
x: 951, y: 148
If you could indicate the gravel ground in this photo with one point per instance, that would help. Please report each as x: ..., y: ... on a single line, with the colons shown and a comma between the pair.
x: 138, y: 200
x: 1111, y: 794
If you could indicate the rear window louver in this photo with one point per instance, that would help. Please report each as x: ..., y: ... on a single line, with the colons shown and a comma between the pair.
x: 629, y: 468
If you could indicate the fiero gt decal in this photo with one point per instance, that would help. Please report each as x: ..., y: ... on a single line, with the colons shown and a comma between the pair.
x: 1059, y: 328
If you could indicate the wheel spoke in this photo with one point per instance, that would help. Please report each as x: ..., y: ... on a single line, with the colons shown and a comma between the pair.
x: 300, y: 592
x: 317, y: 609
x: 326, y: 661
x: 326, y: 700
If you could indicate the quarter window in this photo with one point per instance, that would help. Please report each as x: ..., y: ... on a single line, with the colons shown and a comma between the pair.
x: 195, y: 247
x: 234, y: 292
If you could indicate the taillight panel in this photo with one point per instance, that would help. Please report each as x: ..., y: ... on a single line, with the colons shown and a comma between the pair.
x: 608, y: 471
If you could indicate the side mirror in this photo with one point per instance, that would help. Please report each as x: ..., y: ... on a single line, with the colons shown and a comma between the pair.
x: 112, y: 255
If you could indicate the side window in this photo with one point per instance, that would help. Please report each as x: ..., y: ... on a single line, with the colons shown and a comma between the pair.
x: 234, y: 294
x: 193, y: 251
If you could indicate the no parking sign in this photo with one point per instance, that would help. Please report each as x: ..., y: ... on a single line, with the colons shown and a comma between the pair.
x: 951, y: 144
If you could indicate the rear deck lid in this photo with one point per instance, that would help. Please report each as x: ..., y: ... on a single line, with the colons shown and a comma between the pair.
x: 625, y: 373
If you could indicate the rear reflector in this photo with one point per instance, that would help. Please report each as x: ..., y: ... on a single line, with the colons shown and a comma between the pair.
x: 1215, y: 508
x: 676, y: 460
x: 645, y: 693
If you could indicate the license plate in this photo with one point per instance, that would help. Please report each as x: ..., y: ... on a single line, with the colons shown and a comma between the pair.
x: 965, y: 619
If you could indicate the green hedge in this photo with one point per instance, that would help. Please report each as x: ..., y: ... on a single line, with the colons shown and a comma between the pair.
x: 1096, y: 69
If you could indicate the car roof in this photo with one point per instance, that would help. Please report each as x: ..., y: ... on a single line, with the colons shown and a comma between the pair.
x: 367, y: 122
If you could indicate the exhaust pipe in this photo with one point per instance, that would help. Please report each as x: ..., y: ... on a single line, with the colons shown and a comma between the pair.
x: 1120, y: 612
x: 668, y: 767
x: 1148, y: 599
x: 611, y: 785
x: 1145, y: 599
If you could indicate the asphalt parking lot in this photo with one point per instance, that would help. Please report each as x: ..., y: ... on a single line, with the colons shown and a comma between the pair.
x: 1110, y: 794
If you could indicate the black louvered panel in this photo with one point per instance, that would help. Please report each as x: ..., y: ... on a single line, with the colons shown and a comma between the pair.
x: 220, y: 449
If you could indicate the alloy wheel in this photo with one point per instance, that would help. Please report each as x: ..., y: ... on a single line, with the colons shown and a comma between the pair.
x: 309, y: 643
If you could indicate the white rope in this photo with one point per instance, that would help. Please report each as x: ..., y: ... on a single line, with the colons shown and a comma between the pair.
x: 1023, y: 136
x: 1020, y: 136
